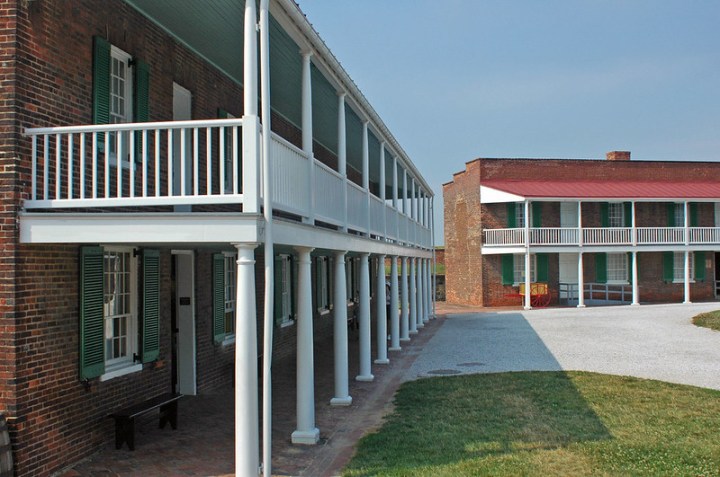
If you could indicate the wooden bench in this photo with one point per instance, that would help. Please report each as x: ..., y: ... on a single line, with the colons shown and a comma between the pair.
x: 125, y: 418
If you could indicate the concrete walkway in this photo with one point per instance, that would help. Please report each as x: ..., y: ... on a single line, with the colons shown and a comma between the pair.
x: 647, y: 341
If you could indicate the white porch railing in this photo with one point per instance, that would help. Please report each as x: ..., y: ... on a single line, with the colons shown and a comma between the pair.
x: 551, y: 236
x: 195, y: 163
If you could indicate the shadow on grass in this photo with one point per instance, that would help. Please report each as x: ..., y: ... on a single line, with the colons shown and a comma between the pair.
x: 444, y: 421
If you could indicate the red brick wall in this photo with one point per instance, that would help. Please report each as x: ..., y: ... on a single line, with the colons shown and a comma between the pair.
x: 465, y: 219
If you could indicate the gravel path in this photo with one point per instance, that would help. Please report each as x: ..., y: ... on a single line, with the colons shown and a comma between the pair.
x: 647, y: 341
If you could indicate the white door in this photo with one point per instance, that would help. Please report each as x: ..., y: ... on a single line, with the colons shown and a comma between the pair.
x: 182, y: 111
x: 568, y: 268
x: 185, y: 321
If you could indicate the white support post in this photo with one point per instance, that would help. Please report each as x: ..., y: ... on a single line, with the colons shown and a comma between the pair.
x: 686, y: 231
x: 382, y: 191
x: 394, y: 317
x: 366, y: 175
x: 635, y: 287
x: 412, y: 302
x: 422, y: 282
x: 342, y: 157
x: 340, y: 336
x: 307, y: 132
x: 395, y: 200
x: 581, y: 282
x: 251, y: 120
x: 580, y: 229
x: 247, y: 436
x: 633, y: 224
x: 306, y: 432
x: 381, y: 312
x: 527, y: 256
x: 404, y: 323
x: 364, y: 321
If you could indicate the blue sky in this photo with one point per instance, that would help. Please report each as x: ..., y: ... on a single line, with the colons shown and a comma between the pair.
x: 459, y: 79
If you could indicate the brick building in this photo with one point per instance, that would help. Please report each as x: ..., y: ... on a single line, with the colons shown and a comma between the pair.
x: 161, y: 168
x: 620, y: 231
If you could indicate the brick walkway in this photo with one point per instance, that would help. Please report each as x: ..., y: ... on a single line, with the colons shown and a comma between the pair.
x: 203, y: 444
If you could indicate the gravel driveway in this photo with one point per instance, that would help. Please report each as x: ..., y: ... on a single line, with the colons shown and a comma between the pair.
x: 647, y: 341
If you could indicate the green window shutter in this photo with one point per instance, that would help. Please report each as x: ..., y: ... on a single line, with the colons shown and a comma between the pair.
x: 668, y: 266
x: 141, y: 101
x: 511, y: 219
x: 601, y: 267
x: 151, y: 306
x: 508, y: 270
x: 604, y: 215
x: 277, y: 302
x: 700, y: 266
x: 543, y: 265
x: 671, y: 214
x: 218, y: 293
x: 101, y: 81
x: 693, y: 214
x: 537, y: 214
x: 628, y: 214
x: 92, y: 326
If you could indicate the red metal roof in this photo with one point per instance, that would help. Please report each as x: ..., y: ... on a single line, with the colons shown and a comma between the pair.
x: 607, y: 190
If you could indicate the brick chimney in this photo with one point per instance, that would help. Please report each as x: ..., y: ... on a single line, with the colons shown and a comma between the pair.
x: 618, y: 156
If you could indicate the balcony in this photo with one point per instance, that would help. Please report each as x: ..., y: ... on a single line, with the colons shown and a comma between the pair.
x: 199, y: 163
x: 602, y: 236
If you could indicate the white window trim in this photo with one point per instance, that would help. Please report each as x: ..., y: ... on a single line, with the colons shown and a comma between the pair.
x: 230, y: 336
x: 521, y: 264
x: 619, y: 215
x: 626, y: 281
x: 286, y: 281
x: 681, y: 279
x: 120, y: 367
x: 120, y: 55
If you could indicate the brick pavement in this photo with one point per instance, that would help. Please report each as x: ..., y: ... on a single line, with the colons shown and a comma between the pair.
x: 203, y: 444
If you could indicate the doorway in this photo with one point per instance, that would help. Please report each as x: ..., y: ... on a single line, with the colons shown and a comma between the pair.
x: 184, y: 377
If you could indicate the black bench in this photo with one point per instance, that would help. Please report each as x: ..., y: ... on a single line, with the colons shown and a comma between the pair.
x: 125, y: 418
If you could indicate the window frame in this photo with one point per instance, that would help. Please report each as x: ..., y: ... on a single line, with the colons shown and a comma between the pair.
x: 679, y: 214
x: 120, y: 56
x: 230, y: 294
x: 679, y: 267
x: 611, y: 272
x: 616, y: 214
x: 286, y: 291
x: 519, y: 268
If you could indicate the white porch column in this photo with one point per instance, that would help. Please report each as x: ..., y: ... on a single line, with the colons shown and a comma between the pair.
x: 420, y: 300
x: 413, y: 302
x: 307, y: 132
x: 381, y: 311
x: 635, y: 287
x: 340, y: 335
x: 395, y: 200
x: 366, y: 174
x: 423, y: 290
x: 247, y: 437
x: 251, y: 120
x: 382, y: 192
x: 306, y: 432
x: 342, y: 156
x: 364, y: 320
x: 686, y: 232
x: 404, y: 324
x: 527, y: 256
x: 430, y: 264
x: 394, y: 317
x: 581, y: 282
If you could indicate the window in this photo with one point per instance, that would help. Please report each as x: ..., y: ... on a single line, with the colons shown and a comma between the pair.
x: 519, y: 268
x: 679, y: 267
x: 109, y: 318
x: 617, y: 267
x: 230, y: 294
x: 520, y: 215
x: 119, y: 307
x: 616, y: 214
x: 679, y: 214
x: 284, y: 299
x: 322, y: 283
x: 120, y: 95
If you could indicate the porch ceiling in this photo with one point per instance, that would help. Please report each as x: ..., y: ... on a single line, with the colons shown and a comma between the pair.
x: 651, y: 191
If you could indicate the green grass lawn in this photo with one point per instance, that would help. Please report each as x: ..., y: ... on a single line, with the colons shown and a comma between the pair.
x: 544, y: 424
x: 708, y: 320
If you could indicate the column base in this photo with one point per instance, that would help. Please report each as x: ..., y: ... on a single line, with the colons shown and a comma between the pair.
x: 527, y: 308
x: 365, y: 378
x: 634, y: 304
x: 421, y: 325
x: 405, y: 339
x: 310, y: 437
x: 581, y: 306
x: 413, y: 332
x: 382, y: 361
x: 687, y: 302
x: 395, y: 348
x: 341, y: 401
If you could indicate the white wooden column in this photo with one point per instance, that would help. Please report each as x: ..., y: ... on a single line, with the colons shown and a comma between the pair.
x: 430, y: 288
x: 395, y: 200
x: 307, y: 132
x: 381, y: 312
x: 412, y: 302
x: 247, y: 436
x: 306, y: 432
x: 581, y: 282
x: 686, y: 231
x: 635, y: 287
x: 394, y: 317
x: 364, y: 321
x: 340, y: 336
x: 342, y: 157
x: 421, y: 317
x: 404, y: 324
x: 366, y: 175
x: 251, y: 120
x: 382, y: 192
x: 527, y: 256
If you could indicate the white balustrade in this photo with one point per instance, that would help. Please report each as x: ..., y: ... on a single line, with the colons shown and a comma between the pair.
x: 607, y: 236
x: 505, y: 237
x: 704, y: 235
x: 357, y: 205
x: 377, y: 221
x: 391, y: 221
x: 554, y: 236
x: 660, y: 235
x: 329, y: 198
x: 290, y: 181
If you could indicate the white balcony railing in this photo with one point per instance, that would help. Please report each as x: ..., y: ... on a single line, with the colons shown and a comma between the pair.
x: 198, y: 163
x: 559, y: 236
